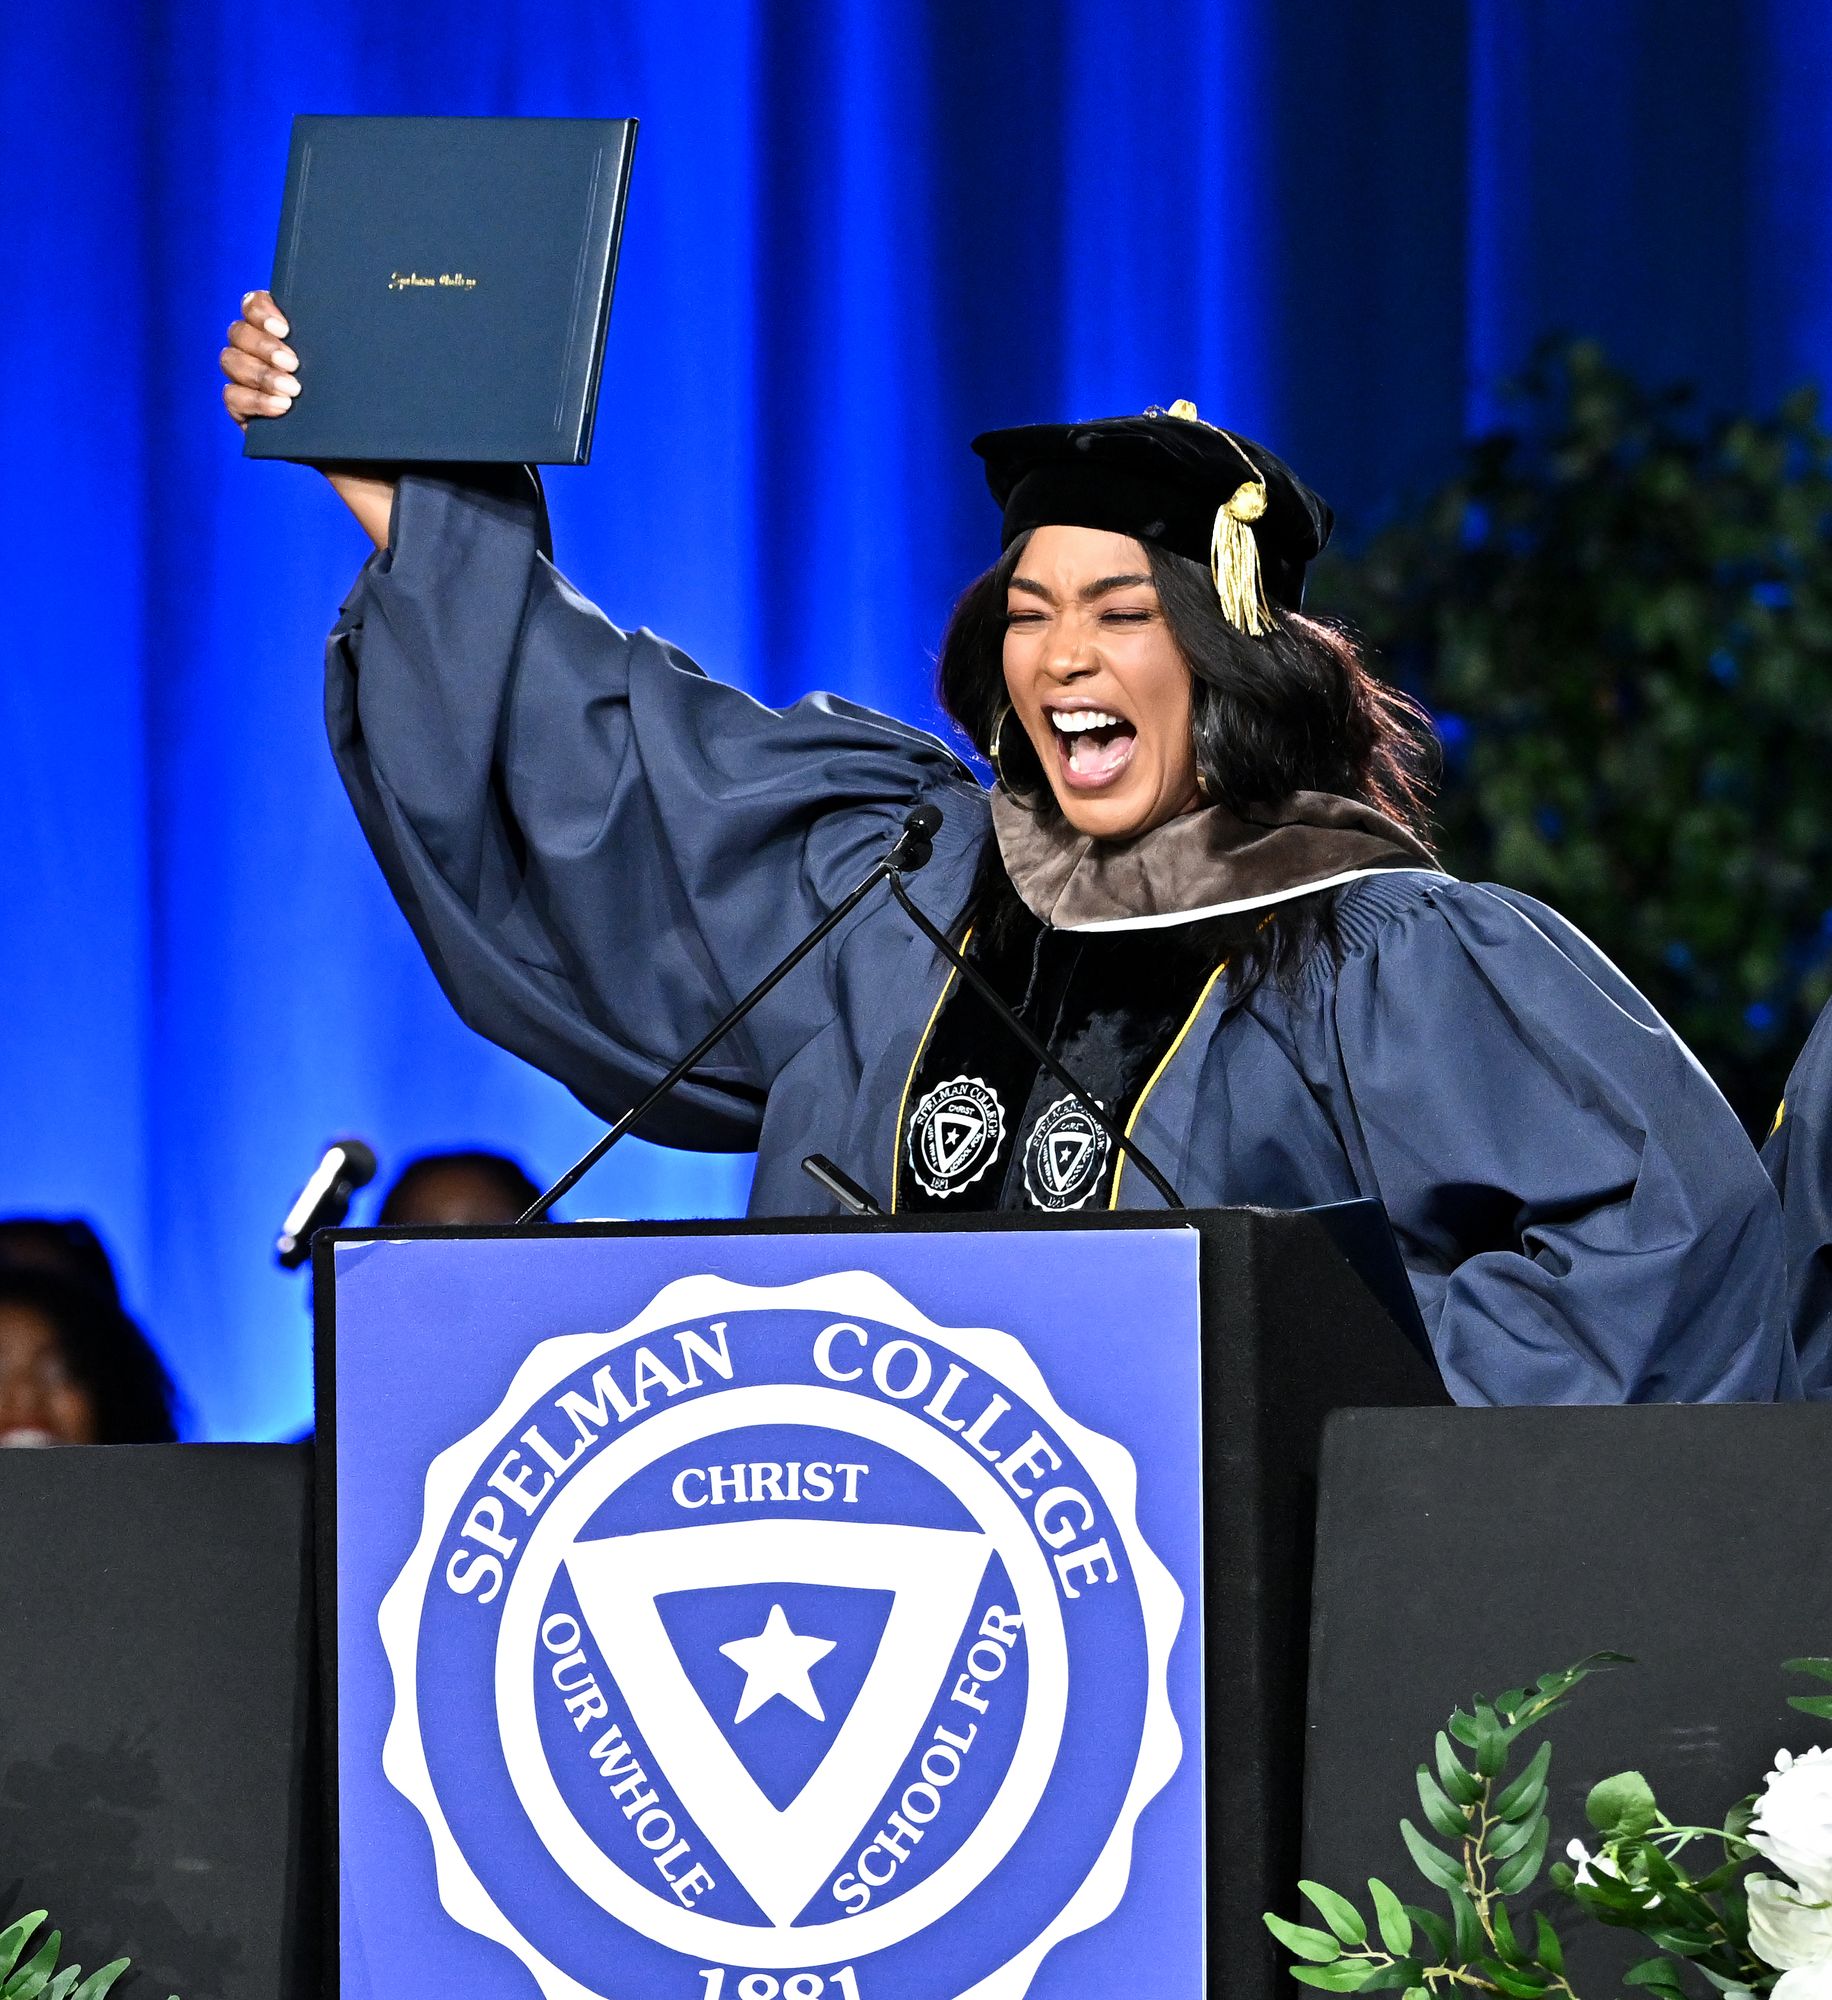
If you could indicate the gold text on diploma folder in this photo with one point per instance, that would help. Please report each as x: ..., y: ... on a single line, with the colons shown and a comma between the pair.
x: 407, y: 281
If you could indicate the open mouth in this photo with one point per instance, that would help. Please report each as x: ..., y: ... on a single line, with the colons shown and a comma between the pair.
x: 1093, y: 746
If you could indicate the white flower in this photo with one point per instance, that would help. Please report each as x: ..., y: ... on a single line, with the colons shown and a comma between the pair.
x: 1787, y: 1930
x: 1793, y: 1822
x: 1590, y: 1866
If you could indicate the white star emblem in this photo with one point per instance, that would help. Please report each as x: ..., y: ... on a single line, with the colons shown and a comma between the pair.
x: 776, y: 1662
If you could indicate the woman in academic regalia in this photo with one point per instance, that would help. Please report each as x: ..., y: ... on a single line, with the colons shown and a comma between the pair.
x: 1201, y: 879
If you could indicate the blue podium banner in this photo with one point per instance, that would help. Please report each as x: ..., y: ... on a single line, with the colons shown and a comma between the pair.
x: 786, y: 1616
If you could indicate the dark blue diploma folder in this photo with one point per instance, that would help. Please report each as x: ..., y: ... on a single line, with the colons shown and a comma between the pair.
x: 447, y: 282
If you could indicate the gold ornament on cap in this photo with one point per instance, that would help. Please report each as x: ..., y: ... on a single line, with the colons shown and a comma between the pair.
x: 1234, y: 557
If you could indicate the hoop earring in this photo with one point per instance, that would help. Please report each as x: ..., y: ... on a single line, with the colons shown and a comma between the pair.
x: 992, y: 749
x: 1205, y: 792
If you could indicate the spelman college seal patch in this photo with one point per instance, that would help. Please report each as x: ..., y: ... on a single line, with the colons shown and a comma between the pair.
x: 955, y: 1135
x: 781, y: 1644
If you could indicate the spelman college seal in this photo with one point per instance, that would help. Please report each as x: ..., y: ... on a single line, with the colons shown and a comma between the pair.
x: 779, y: 1645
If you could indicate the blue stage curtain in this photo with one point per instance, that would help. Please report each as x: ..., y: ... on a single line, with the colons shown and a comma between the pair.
x: 859, y: 231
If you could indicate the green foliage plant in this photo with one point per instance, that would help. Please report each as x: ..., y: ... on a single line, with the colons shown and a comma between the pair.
x: 1489, y: 1834
x: 1811, y: 1704
x: 1486, y: 1843
x: 1637, y: 1880
x: 36, y: 1977
x: 1620, y: 613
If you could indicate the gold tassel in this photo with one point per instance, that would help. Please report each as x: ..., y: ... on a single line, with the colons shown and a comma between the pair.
x: 1234, y: 559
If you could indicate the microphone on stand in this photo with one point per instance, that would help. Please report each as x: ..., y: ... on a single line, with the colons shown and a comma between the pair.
x: 841, y: 1185
x: 911, y: 850
x: 324, y: 1200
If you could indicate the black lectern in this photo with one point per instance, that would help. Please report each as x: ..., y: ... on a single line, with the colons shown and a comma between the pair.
x: 1298, y: 1313
x: 156, y: 1778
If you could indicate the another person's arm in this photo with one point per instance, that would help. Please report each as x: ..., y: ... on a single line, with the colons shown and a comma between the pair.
x: 1798, y: 1156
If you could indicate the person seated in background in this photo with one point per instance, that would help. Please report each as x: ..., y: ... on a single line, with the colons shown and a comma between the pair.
x: 65, y: 1244
x: 468, y: 1187
x: 472, y: 1187
x: 74, y: 1368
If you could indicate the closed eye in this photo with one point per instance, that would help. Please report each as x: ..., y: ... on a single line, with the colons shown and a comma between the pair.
x: 1139, y: 615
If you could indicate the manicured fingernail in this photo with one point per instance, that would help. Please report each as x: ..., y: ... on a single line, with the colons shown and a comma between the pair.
x: 278, y: 326
x: 246, y: 296
x: 284, y: 357
x: 289, y: 387
x: 279, y: 403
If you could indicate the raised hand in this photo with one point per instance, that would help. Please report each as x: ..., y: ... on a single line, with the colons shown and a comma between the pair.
x: 263, y: 382
x: 262, y: 371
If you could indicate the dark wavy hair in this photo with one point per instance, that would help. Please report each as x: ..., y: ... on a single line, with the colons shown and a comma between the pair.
x: 1296, y: 710
x: 105, y: 1351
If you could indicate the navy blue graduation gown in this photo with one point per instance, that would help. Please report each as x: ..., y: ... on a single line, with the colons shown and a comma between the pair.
x: 1798, y: 1156
x: 600, y: 849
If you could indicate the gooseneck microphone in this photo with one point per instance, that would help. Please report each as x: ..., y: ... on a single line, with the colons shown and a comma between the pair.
x: 1059, y: 1070
x: 841, y: 1185
x: 908, y: 852
x: 324, y: 1200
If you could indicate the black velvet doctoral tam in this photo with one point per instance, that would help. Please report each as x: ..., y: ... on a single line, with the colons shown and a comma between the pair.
x: 1159, y: 478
